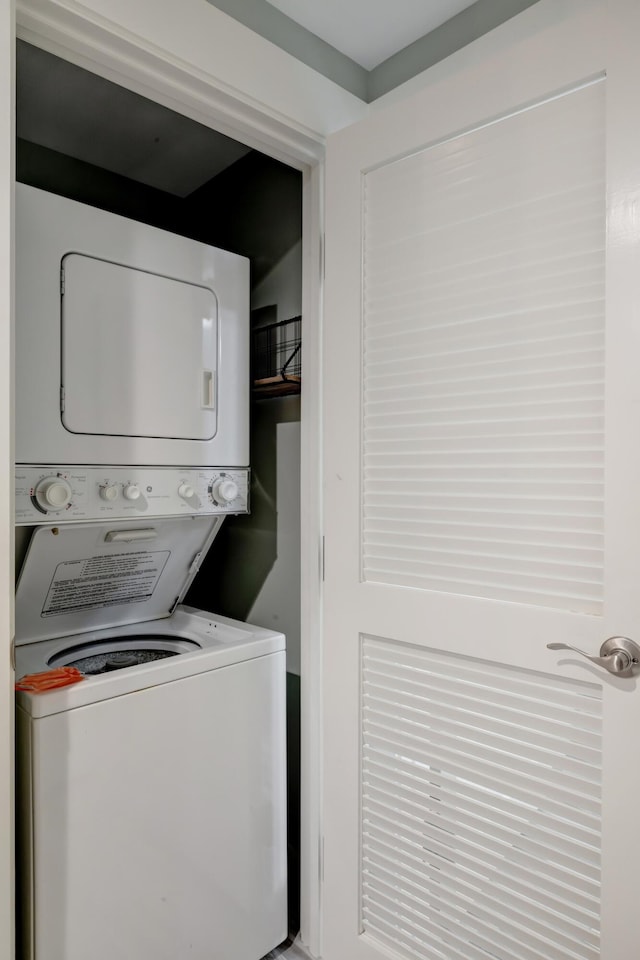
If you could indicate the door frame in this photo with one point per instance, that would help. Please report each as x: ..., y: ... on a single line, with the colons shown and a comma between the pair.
x: 7, y: 171
x: 93, y: 43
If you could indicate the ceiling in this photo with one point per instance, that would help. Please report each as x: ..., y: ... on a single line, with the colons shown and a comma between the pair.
x: 67, y: 109
x: 370, y: 31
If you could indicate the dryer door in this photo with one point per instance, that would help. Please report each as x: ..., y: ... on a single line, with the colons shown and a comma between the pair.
x: 139, y: 352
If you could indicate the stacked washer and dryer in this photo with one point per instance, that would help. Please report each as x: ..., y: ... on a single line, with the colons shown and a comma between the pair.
x: 151, y: 795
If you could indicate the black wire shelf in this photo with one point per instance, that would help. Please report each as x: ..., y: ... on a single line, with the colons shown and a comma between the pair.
x: 276, y: 358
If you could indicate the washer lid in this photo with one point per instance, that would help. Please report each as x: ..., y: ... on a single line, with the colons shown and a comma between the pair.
x: 89, y: 576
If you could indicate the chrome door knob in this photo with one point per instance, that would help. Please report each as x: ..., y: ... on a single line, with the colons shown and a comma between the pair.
x: 618, y: 655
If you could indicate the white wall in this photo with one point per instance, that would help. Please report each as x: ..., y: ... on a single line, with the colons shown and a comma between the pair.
x: 282, y: 286
x: 277, y: 606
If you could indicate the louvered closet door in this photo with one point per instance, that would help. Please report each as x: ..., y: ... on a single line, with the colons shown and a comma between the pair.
x: 482, y: 477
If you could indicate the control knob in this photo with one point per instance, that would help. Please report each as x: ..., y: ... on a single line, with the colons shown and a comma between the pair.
x: 53, y: 494
x: 186, y: 491
x: 224, y: 490
x: 131, y: 492
x: 109, y: 491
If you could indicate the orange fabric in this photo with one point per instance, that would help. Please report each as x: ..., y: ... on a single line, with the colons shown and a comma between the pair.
x: 49, y: 679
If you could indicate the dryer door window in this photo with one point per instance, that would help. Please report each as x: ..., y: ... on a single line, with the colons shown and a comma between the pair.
x: 139, y: 352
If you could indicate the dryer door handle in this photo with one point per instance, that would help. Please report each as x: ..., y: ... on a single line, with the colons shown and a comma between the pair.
x: 207, y: 389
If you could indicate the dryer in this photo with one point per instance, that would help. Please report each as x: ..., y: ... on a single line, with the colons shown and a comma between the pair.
x: 132, y: 343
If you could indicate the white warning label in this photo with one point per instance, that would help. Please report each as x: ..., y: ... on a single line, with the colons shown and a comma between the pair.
x: 104, y: 581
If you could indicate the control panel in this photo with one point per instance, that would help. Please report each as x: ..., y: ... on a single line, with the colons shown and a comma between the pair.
x: 63, y: 494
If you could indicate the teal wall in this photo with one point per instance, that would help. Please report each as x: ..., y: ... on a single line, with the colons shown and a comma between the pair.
x: 464, y: 28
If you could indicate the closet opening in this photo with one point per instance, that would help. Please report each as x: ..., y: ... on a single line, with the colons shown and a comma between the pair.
x: 86, y: 138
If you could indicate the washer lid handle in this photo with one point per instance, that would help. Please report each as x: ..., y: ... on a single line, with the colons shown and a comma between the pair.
x: 127, y: 536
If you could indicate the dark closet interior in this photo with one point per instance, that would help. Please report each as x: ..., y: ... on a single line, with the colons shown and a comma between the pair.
x: 83, y: 137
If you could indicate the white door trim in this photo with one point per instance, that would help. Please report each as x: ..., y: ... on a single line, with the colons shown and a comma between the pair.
x: 197, y: 60
x: 7, y: 115
x: 311, y: 566
x: 78, y: 35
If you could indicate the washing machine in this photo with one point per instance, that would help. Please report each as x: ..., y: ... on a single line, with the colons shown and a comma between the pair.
x: 152, y: 793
